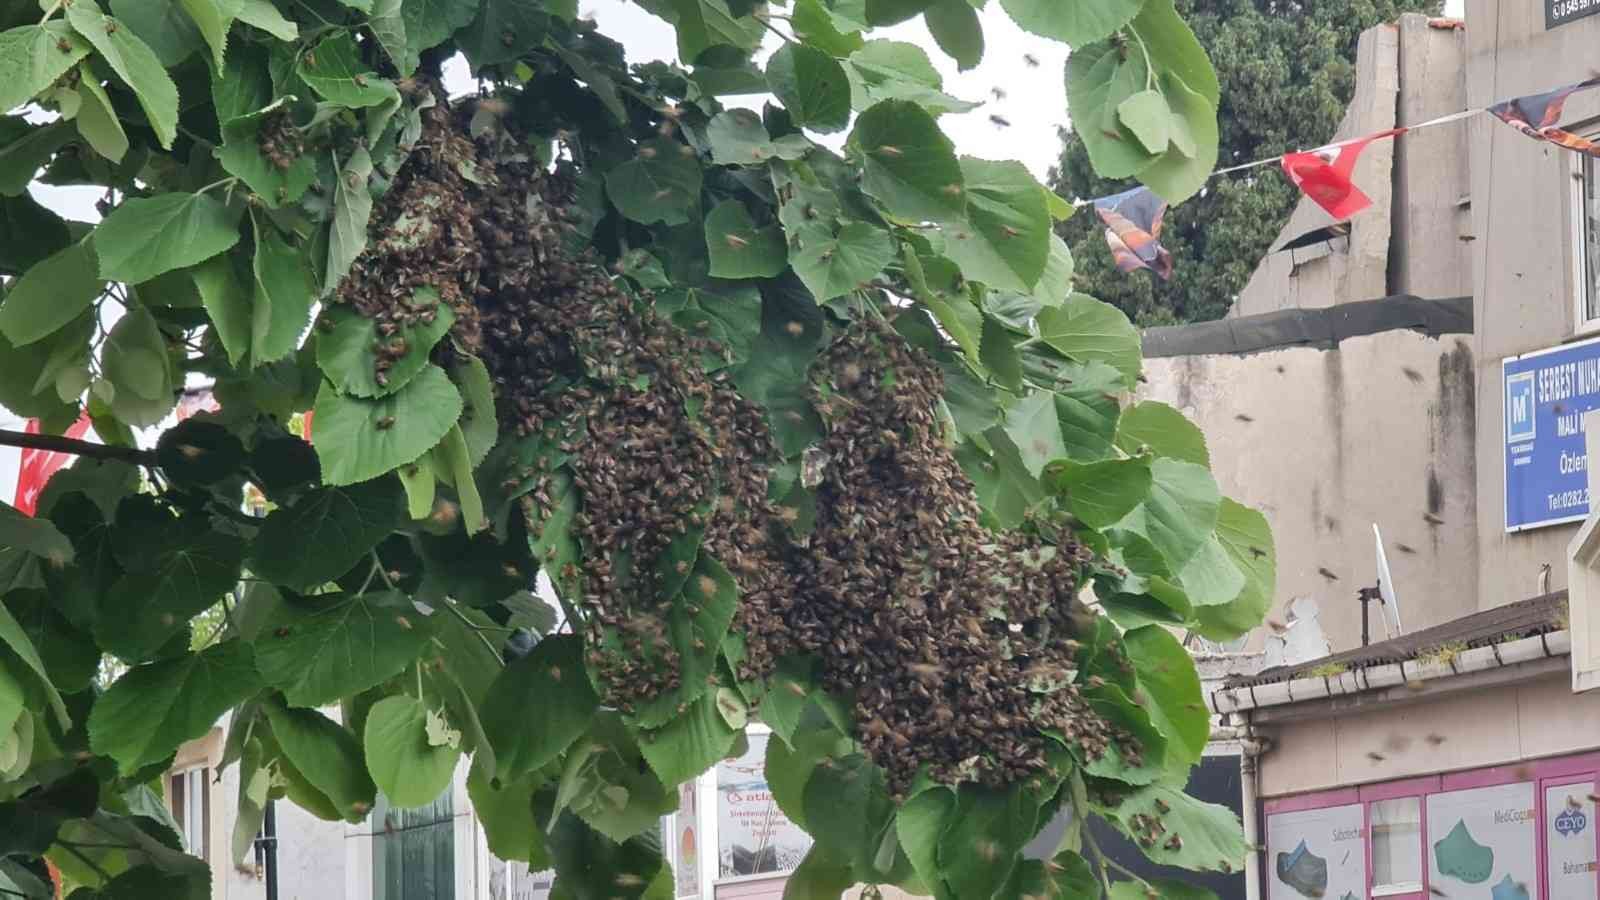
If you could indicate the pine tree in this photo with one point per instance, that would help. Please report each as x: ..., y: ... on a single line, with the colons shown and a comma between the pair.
x: 1287, y: 71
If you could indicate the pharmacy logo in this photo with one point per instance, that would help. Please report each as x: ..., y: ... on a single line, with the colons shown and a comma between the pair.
x: 1571, y: 822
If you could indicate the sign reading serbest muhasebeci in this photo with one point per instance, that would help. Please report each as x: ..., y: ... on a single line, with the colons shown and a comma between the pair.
x: 1546, y: 394
x: 1560, y: 12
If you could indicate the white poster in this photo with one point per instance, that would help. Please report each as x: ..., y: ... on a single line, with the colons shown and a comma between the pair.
x: 1317, y: 853
x: 686, y: 842
x: 753, y: 835
x: 1483, y: 839
x: 1569, y: 837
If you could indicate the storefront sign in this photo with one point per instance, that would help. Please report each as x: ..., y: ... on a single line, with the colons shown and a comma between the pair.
x: 1570, y: 841
x: 753, y: 835
x: 1316, y: 854
x: 1546, y: 394
x: 1560, y: 12
x: 1483, y: 839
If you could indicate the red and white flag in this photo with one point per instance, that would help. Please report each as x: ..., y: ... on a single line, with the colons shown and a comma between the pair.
x: 1324, y: 174
x: 38, y: 465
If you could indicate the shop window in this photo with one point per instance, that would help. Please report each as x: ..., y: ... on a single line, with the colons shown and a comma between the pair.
x: 189, y: 794
x: 1482, y: 842
x: 1396, y: 846
x: 754, y: 837
x: 1588, y: 235
x: 1316, y: 853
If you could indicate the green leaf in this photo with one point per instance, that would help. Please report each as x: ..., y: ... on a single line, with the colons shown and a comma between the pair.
x: 152, y: 709
x: 703, y: 24
x: 1147, y: 116
x: 1212, y: 840
x: 333, y: 69
x: 1033, y: 427
x: 255, y: 782
x: 538, y: 706
x: 451, y: 462
x: 893, y: 12
x: 197, y: 452
x: 1182, y: 509
x: 738, y: 249
x: 163, y: 25
x: 1247, y: 539
x: 812, y: 86
x: 358, y: 440
x: 1168, y: 678
x: 136, y: 361
x: 325, y: 533
x: 847, y: 809
x: 327, y: 756
x: 1164, y: 431
x: 263, y: 15
x: 921, y: 824
x: 1093, y: 71
x: 409, y: 769
x: 896, y: 70
x: 28, y: 232
x: 97, y: 121
x: 283, y: 297
x: 388, y: 25
x: 738, y: 138
x: 1101, y: 493
x: 134, y: 62
x: 591, y: 866
x: 50, y: 294
x: 504, y: 31
x: 241, y: 156
x: 820, y: 876
x: 352, y: 210
x: 832, y: 266
x: 332, y: 646
x: 1003, y: 240
x: 987, y: 832
x: 1088, y: 330
x: 507, y: 817
x: 689, y: 744
x: 14, y: 637
x: 660, y: 184
x: 1074, y: 24
x: 32, y: 57
x: 145, y: 237
x: 1178, y: 175
x: 156, y: 599
x: 998, y: 353
x: 1173, y: 48
x: 699, y: 619
x: 348, y: 359
x: 27, y: 149
x: 1211, y: 578
x: 820, y: 26
x: 227, y: 302
x: 909, y: 165
x: 1148, y: 765
x: 478, y: 426
x: 955, y: 27
x: 214, y: 18
x: 244, y: 87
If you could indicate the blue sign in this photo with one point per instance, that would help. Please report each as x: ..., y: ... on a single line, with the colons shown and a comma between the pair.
x: 1571, y: 822
x: 1546, y: 463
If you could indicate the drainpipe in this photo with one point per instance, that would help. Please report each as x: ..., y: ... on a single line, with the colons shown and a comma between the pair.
x: 1251, y: 748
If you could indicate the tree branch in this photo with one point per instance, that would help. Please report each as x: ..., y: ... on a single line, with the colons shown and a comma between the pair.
x: 76, y: 447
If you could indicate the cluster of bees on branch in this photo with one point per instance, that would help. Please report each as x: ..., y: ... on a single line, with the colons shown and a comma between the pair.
x: 956, y: 643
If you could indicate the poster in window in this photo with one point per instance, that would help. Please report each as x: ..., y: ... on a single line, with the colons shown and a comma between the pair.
x: 686, y: 842
x: 754, y: 837
x: 1482, y: 841
x: 1316, y: 853
x: 1569, y: 839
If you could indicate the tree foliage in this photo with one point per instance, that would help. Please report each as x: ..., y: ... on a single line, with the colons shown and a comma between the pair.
x: 823, y: 439
x: 1287, y: 72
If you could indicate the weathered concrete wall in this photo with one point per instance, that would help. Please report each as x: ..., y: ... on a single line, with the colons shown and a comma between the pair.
x: 1326, y: 444
x: 1381, y: 430
x: 1523, y: 271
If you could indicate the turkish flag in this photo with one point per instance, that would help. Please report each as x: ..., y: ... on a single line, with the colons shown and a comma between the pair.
x: 38, y: 465
x: 1324, y: 175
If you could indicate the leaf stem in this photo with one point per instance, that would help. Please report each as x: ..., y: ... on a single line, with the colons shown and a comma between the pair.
x: 98, y: 870
x: 229, y: 182
x: 59, y: 444
x: 473, y: 627
x: 1149, y: 67
x: 1099, y: 855
x: 382, y: 572
x: 51, y: 11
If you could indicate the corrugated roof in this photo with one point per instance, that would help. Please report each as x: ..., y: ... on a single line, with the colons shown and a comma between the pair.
x: 1525, y: 618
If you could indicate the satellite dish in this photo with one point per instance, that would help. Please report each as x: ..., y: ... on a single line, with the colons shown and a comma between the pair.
x: 1388, y: 596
